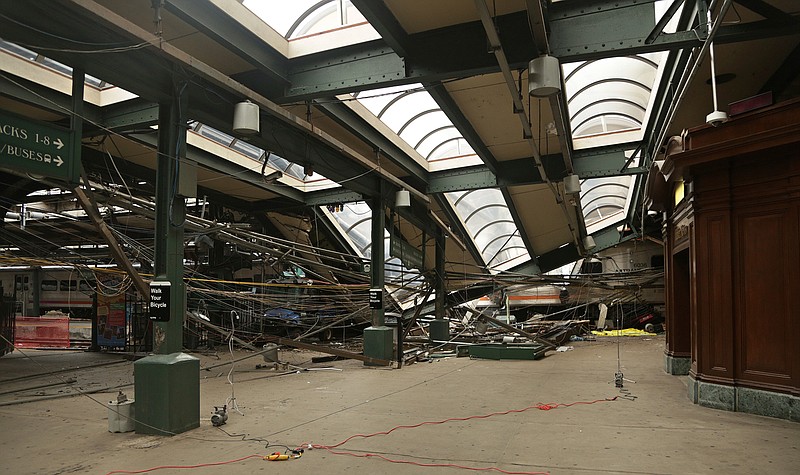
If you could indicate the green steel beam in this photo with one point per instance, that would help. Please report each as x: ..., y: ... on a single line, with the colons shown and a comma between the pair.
x: 383, y: 20
x: 293, y: 145
x: 588, y: 163
x: 221, y: 27
x: 462, y: 179
x: 579, y: 31
x: 430, y: 56
x: 129, y: 115
x: 354, y: 123
x: 608, y: 238
x: 605, y: 162
x: 331, y: 197
x: 345, y: 70
x: 226, y: 167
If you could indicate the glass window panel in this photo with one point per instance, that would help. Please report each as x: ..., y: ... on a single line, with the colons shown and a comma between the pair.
x: 486, y: 215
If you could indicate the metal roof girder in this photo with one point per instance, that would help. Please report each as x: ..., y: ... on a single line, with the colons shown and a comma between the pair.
x: 599, y: 26
x: 384, y: 21
x: 213, y: 22
x: 352, y: 68
x: 128, y: 115
x: 461, y: 179
x: 357, y: 125
x: 226, y: 167
x: 331, y: 197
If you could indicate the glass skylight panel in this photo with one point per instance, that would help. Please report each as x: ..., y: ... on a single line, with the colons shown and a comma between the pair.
x: 486, y: 216
x: 611, y: 94
x: 216, y: 135
x: 300, y: 18
x: 411, y: 113
x: 248, y: 149
x: 50, y: 63
x: 356, y: 220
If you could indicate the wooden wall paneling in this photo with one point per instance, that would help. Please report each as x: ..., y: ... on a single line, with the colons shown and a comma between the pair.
x: 763, y: 238
x: 714, y: 298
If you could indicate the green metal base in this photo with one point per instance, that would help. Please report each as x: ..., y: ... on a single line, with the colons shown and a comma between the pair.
x: 497, y: 351
x: 439, y: 330
x: 378, y: 343
x: 167, y: 389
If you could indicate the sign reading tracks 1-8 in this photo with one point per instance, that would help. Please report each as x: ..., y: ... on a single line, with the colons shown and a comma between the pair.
x: 35, y: 148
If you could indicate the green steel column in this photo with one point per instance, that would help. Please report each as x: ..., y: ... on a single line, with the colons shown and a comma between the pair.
x: 167, y: 384
x: 378, y: 337
x: 170, y: 217
x: 378, y: 277
x: 440, y: 327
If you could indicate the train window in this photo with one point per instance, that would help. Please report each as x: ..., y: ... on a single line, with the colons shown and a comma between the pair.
x: 49, y: 285
x: 592, y: 267
x: 657, y: 261
x: 67, y: 285
x: 87, y: 285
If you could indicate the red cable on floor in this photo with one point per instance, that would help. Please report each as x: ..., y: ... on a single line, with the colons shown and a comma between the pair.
x: 540, y: 406
x: 329, y: 448
x: 211, y: 464
x: 451, y: 465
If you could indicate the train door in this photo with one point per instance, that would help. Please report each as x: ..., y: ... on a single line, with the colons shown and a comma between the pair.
x: 23, y: 295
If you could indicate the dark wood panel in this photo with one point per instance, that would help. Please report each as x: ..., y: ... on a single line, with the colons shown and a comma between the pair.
x: 763, y: 301
x: 714, y: 295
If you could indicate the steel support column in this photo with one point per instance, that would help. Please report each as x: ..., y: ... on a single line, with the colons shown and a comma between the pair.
x: 170, y: 217
x: 439, y: 327
x: 378, y: 337
x: 167, y: 384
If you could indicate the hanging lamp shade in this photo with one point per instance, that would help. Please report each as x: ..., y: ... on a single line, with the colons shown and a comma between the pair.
x: 402, y: 198
x: 544, y: 76
x: 572, y: 184
x: 246, y: 118
x: 588, y: 243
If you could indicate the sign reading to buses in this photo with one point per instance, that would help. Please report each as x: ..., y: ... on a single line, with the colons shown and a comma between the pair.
x: 38, y: 149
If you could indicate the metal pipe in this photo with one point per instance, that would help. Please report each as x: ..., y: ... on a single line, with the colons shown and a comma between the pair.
x: 687, y: 79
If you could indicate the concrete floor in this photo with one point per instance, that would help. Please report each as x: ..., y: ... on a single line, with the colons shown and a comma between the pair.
x: 660, y: 432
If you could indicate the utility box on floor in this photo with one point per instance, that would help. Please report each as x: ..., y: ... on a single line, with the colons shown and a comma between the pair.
x: 167, y: 394
x: 121, y: 416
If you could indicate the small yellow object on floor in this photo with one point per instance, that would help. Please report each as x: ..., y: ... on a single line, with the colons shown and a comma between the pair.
x: 623, y: 332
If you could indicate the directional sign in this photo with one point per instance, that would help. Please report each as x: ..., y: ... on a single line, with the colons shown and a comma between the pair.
x: 409, y: 255
x: 36, y: 148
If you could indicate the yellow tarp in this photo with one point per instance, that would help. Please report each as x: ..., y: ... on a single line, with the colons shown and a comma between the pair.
x: 624, y: 332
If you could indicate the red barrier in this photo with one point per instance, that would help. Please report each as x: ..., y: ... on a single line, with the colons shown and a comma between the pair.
x: 41, y: 332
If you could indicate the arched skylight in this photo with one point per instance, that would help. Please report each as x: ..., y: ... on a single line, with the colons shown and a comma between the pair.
x: 490, y: 224
x: 411, y: 113
x: 611, y: 94
x: 299, y: 18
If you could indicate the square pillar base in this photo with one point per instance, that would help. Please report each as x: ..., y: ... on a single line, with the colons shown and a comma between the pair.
x: 378, y: 343
x: 439, y: 330
x: 677, y: 365
x: 167, y: 389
